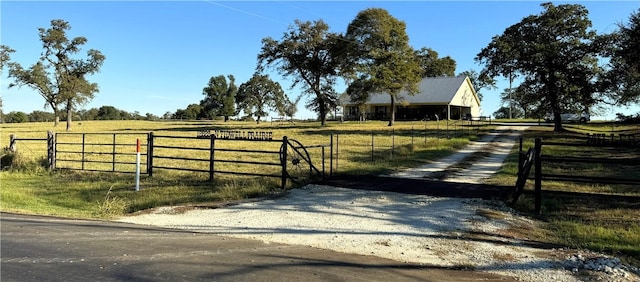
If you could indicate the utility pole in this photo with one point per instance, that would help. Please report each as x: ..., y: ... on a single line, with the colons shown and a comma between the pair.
x: 510, y: 90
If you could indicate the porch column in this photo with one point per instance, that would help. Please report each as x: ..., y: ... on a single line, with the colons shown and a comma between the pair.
x: 448, y: 111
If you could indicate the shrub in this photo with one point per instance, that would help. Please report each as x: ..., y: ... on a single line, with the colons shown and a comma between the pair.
x: 10, y: 160
x: 628, y: 119
x: 112, y: 205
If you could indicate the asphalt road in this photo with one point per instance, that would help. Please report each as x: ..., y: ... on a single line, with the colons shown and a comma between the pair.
x: 35, y: 248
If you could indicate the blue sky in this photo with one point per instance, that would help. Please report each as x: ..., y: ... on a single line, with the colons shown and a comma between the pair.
x: 160, y: 54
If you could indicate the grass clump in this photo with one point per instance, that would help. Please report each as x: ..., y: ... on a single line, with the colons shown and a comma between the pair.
x: 112, y: 205
x: 17, y: 161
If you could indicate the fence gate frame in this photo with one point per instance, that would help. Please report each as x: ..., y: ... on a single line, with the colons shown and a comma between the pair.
x: 293, y: 157
x: 535, y: 156
x: 54, y: 151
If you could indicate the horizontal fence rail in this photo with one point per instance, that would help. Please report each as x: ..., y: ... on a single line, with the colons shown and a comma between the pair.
x: 244, y: 152
x: 211, y: 155
x: 49, y: 140
x: 626, y: 160
x: 109, y: 152
x: 585, y: 160
x: 234, y: 152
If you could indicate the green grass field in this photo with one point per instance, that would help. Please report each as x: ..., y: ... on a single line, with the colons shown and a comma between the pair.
x: 31, y: 189
x: 585, y: 217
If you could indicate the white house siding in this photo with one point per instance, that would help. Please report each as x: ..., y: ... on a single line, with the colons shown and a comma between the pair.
x: 446, y: 97
x: 465, y: 97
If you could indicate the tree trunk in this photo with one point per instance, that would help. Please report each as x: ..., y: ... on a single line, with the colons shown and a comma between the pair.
x: 69, y: 114
x: 323, y: 114
x: 555, y: 105
x: 557, y: 122
x: 258, y: 120
x: 557, y: 118
x: 393, y: 110
x: 56, y: 114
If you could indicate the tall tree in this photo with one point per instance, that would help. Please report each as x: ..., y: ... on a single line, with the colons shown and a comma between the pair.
x: 5, y: 57
x: 432, y: 66
x: 625, y: 62
x: 310, y: 55
x: 90, y: 114
x: 381, y: 56
x: 528, y: 104
x: 554, y: 49
x: 358, y: 92
x: 108, y: 113
x: 289, y: 107
x: 193, y: 111
x: 40, y: 116
x: 504, y: 112
x: 258, y: 95
x: 58, y: 76
x: 219, y: 98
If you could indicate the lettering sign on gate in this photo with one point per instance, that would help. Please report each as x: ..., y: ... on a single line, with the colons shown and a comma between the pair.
x: 237, y: 135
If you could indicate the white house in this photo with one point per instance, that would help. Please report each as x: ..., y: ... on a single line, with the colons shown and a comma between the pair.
x: 437, y: 98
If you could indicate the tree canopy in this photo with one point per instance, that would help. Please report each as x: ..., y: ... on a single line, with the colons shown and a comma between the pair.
x: 381, y: 59
x: 260, y: 94
x: 504, y: 113
x: 554, y: 52
x: 624, y: 77
x: 5, y: 56
x: 309, y: 54
x: 59, y: 77
x: 290, y: 107
x: 219, y: 98
x: 432, y: 66
x: 193, y: 111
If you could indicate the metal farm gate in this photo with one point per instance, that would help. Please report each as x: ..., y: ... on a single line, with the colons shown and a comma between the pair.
x: 246, y: 153
x: 249, y: 153
x: 111, y: 152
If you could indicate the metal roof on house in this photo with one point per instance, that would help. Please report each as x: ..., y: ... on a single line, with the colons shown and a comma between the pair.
x: 432, y: 90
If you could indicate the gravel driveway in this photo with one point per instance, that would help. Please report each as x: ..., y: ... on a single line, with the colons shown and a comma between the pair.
x: 450, y: 232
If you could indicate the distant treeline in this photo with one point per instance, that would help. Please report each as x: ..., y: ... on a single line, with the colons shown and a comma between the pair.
x: 102, y: 113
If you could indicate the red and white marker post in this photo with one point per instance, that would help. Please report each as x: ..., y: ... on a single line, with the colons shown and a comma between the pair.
x: 138, y: 164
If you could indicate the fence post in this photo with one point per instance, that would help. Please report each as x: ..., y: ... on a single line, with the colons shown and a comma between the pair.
x: 82, y: 160
x: 393, y: 141
x: 113, y: 151
x: 212, y: 148
x: 12, y: 143
x: 51, y: 149
x: 137, y: 162
x: 412, y: 138
x: 520, y: 159
x: 284, y: 147
x: 55, y: 150
x: 323, y: 172
x: 372, y: 159
x: 447, y: 129
x: 425, y: 135
x: 331, y: 156
x: 150, y: 153
x: 538, y: 176
x: 337, y: 150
